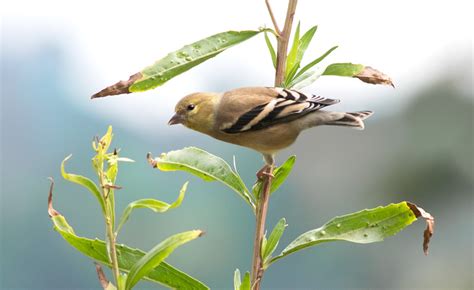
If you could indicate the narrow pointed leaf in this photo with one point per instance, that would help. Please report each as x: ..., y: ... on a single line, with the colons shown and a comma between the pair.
x: 177, y: 62
x: 237, y: 281
x: 303, y: 45
x: 366, y: 226
x: 205, y: 166
x: 96, y: 249
x: 84, y: 181
x: 156, y: 255
x: 315, y: 62
x: 304, y: 80
x: 280, y: 174
x: 152, y: 204
x: 292, y: 55
x: 245, y: 282
x: 263, y: 246
x: 271, y: 49
x: 273, y: 239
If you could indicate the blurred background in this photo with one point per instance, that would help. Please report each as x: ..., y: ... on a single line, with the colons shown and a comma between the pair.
x: 417, y: 147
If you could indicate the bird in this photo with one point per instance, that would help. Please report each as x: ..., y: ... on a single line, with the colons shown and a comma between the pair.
x: 265, y: 119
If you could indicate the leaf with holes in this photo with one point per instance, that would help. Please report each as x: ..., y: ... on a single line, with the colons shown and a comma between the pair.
x: 177, y: 62
x: 366, y: 226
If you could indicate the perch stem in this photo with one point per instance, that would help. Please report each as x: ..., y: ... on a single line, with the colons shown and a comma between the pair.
x: 264, y: 198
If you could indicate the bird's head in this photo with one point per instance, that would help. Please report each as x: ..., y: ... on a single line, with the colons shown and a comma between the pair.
x: 195, y: 111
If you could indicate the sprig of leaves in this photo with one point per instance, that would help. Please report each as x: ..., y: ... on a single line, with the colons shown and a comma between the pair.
x: 134, y: 264
x: 297, y: 77
x: 366, y: 226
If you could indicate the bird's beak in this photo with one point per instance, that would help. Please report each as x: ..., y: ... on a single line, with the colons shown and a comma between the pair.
x: 176, y: 119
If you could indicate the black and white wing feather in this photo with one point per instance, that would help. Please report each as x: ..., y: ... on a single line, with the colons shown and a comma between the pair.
x: 289, y: 105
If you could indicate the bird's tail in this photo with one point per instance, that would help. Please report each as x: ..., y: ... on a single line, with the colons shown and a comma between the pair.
x: 353, y: 119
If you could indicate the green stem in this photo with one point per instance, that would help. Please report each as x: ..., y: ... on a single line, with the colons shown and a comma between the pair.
x: 110, y: 229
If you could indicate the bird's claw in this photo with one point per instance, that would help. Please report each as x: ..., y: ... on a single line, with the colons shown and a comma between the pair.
x: 263, y: 173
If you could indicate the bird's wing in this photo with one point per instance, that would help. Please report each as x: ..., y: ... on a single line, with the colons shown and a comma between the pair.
x: 264, y: 107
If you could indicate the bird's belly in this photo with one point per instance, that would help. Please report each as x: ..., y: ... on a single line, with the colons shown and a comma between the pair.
x: 267, y: 140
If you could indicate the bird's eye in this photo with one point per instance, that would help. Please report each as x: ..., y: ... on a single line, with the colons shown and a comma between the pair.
x: 191, y: 107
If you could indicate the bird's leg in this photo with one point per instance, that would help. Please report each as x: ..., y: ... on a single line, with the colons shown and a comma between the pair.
x: 266, y: 169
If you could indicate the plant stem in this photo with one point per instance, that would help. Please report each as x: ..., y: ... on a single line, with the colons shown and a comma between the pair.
x: 282, y: 43
x: 113, y: 250
x: 275, y: 23
x: 262, y: 208
x: 264, y: 198
x: 110, y: 230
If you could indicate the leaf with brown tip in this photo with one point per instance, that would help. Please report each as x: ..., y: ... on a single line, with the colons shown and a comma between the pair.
x: 178, y: 62
x: 119, y: 88
x: 373, y: 76
x: 430, y: 223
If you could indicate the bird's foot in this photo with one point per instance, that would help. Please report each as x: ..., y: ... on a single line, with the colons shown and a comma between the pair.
x: 265, y: 172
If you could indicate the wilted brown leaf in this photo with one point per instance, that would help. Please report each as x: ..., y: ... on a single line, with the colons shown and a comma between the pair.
x: 119, y: 88
x: 51, y: 211
x: 151, y: 161
x: 373, y: 76
x: 430, y: 223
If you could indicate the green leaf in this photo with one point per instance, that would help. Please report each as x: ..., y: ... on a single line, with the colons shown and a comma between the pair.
x: 303, y: 45
x: 271, y: 50
x: 304, y: 80
x: 177, y: 62
x: 205, y: 166
x: 245, y: 282
x: 280, y: 173
x: 96, y: 249
x: 315, y: 62
x: 104, y: 143
x: 366, y: 74
x: 273, y: 240
x: 291, y: 61
x: 343, y: 69
x: 156, y: 255
x: 366, y: 226
x: 237, y: 281
x: 84, y: 181
x: 122, y: 281
x: 153, y: 204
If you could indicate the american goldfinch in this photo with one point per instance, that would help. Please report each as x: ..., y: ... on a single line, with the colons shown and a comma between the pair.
x: 264, y: 119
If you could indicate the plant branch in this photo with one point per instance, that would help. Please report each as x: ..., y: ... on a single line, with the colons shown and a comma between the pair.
x: 264, y: 198
x: 262, y: 209
x: 113, y: 250
x: 110, y: 229
x: 275, y: 23
x: 283, y: 41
